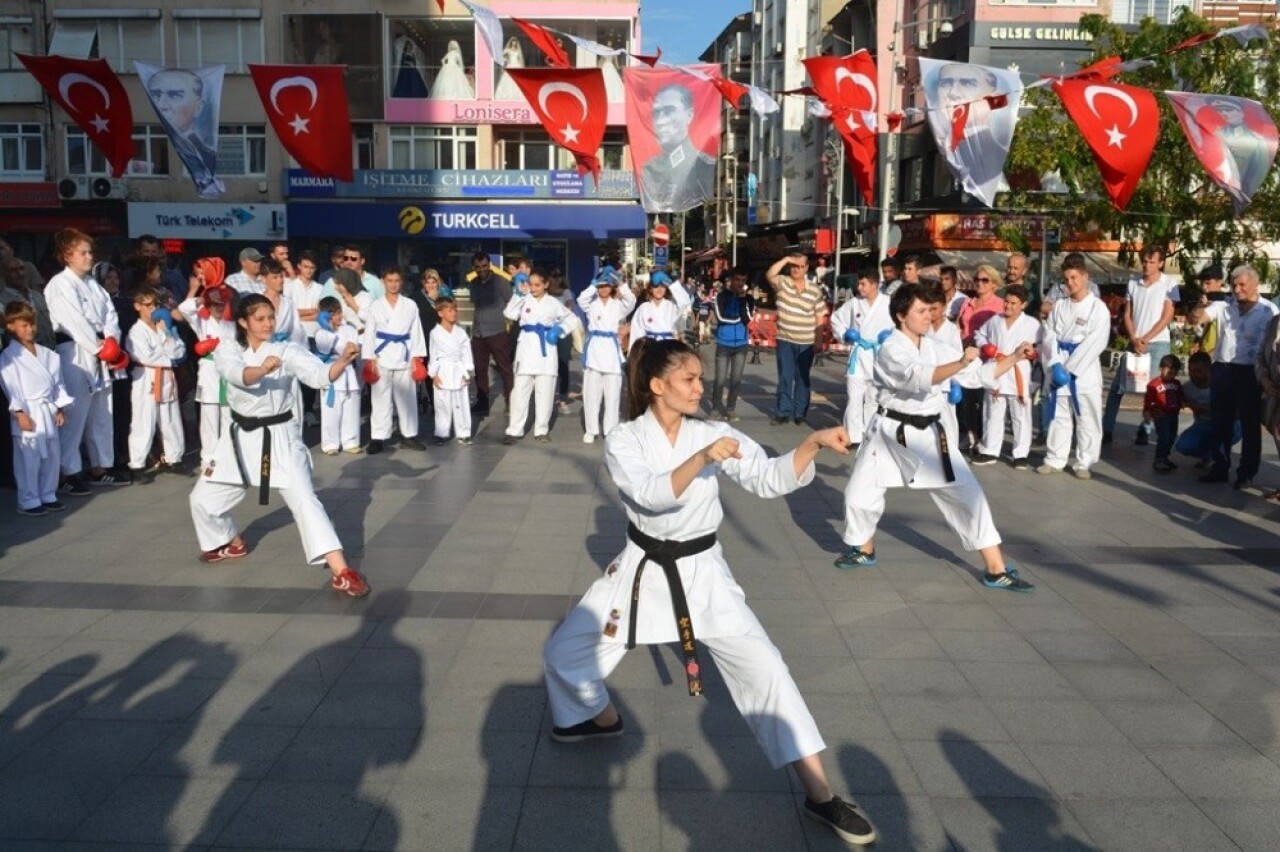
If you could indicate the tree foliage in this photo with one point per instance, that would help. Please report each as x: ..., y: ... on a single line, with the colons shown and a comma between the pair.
x: 1176, y: 204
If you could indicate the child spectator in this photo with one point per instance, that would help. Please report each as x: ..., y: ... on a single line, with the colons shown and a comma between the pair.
x: 207, y: 310
x: 31, y: 376
x: 606, y: 304
x: 340, y: 405
x: 1160, y: 408
x: 543, y: 320
x: 1197, y: 440
x: 155, y: 348
x: 658, y: 316
x: 451, y: 367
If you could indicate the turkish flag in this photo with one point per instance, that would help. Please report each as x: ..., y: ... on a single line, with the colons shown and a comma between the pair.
x: 545, y: 41
x: 1234, y: 139
x: 572, y: 105
x: 1120, y: 123
x: 92, y: 95
x: 307, y: 105
x: 846, y: 84
x: 732, y: 92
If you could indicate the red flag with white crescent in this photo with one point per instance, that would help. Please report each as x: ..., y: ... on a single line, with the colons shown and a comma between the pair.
x: 1121, y: 124
x: 546, y: 41
x: 1234, y: 139
x: 846, y: 84
x: 307, y: 105
x: 91, y: 93
x: 572, y: 105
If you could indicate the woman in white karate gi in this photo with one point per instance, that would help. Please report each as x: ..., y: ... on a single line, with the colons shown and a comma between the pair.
x: 665, y: 462
x: 606, y: 306
x: 259, y: 448
x: 910, y: 444
x: 860, y: 322
x: 543, y: 320
x: 659, y: 314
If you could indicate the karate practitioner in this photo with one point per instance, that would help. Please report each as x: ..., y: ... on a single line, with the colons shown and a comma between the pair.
x: 87, y: 330
x: 259, y: 449
x: 863, y: 322
x: 606, y: 306
x: 155, y: 349
x: 659, y: 314
x: 1001, y: 336
x: 543, y: 320
x: 340, y: 401
x: 207, y: 310
x: 1072, y: 341
x: 452, y: 368
x: 31, y: 376
x: 394, y: 349
x: 910, y: 444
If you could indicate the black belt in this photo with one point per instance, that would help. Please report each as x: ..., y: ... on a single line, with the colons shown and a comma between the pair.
x: 248, y: 424
x: 924, y: 421
x: 665, y: 553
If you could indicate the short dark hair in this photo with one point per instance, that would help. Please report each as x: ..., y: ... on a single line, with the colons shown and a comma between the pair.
x: 1074, y: 260
x: 480, y: 255
x: 445, y: 300
x: 330, y: 303
x: 1017, y: 291
x: 308, y: 254
x: 271, y: 266
x: 869, y: 273
x: 1171, y: 361
x: 1148, y: 251
x: 146, y: 294
x: 1201, y: 359
x: 392, y: 269
x: 890, y: 261
x: 148, y: 238
x: 902, y: 300
x: 911, y: 258
x: 19, y: 310
x: 931, y: 294
x: 949, y: 270
x: 276, y: 245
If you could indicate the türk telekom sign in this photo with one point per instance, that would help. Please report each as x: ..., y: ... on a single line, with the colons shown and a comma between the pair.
x: 215, y: 221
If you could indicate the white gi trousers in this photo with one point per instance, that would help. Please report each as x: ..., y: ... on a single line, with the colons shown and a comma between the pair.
x: 600, y: 389
x: 212, y: 416
x: 147, y: 416
x: 88, y: 420
x: 993, y: 425
x: 860, y: 407
x: 576, y: 662
x: 452, y: 409
x: 1087, y: 428
x: 543, y: 391
x: 340, y: 422
x: 393, y: 394
x: 36, y: 477
x: 212, y: 502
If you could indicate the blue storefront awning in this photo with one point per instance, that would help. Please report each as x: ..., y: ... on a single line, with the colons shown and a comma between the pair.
x: 442, y: 220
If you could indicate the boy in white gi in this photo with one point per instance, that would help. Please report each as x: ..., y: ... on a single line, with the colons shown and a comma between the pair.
x: 451, y: 367
x: 606, y: 306
x: 340, y: 400
x: 155, y: 348
x: 1002, y: 336
x: 665, y: 462
x: 659, y: 314
x: 259, y: 449
x: 1071, y: 345
x: 207, y: 310
x: 543, y: 320
x: 910, y: 444
x: 393, y: 351
x: 32, y: 379
x: 863, y: 322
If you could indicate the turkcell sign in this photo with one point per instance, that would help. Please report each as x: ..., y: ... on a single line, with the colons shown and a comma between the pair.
x: 415, y: 184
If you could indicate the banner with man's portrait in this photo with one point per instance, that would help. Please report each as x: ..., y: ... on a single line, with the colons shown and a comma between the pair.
x: 1234, y: 139
x: 673, y: 126
x: 972, y: 110
x: 187, y: 102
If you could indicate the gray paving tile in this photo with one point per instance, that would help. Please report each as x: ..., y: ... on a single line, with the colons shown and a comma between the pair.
x: 1258, y: 722
x: 729, y: 820
x: 596, y: 818
x: 870, y: 643
x: 1120, y: 682
x: 929, y: 718
x: 1014, y: 680
x: 1144, y: 824
x: 1079, y: 771
x: 906, y: 823
x: 1253, y: 825
x: 1081, y: 646
x: 1033, y: 720
x: 1171, y: 722
x: 166, y: 811
x: 303, y: 815
x: 462, y: 814
x: 986, y: 645
x: 924, y: 678
x: 963, y: 768
x: 1218, y: 772
x: 1012, y: 823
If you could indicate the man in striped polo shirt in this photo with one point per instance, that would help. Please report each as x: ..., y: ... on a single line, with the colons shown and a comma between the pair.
x: 801, y: 308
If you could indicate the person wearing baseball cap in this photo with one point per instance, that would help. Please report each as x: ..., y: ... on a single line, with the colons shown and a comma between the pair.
x: 249, y: 278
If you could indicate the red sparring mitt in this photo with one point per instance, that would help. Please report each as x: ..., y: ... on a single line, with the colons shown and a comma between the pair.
x: 419, y: 372
x: 370, y: 372
x: 204, y: 347
x: 121, y: 363
x: 988, y: 351
x: 110, y: 350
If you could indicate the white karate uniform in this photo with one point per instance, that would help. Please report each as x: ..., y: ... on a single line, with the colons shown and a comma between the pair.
x: 592, y: 640
x: 949, y: 346
x: 154, y: 394
x: 340, y: 400
x: 452, y: 362
x: 1014, y: 387
x: 1086, y: 325
x: 82, y: 310
x: 904, y: 375
x: 209, y: 393
x: 395, y: 392
x: 225, y: 482
x: 33, y: 383
x: 660, y: 319
x: 305, y: 296
x: 602, y: 362
x: 536, y: 362
x: 868, y: 319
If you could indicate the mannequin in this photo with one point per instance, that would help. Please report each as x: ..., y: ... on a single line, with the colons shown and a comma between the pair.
x: 451, y: 83
x: 513, y: 57
x: 409, y: 82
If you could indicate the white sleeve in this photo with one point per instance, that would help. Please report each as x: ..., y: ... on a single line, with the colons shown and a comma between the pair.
x: 680, y: 296
x: 64, y: 311
x: 635, y: 477
x: 842, y: 319
x: 308, y: 369
x: 512, y: 310
x: 1095, y: 342
x: 899, y: 367
x: 761, y: 475
x: 587, y: 297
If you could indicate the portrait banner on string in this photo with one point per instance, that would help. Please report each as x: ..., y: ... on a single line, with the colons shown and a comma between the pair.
x: 1234, y: 139
x: 673, y: 126
x: 187, y: 101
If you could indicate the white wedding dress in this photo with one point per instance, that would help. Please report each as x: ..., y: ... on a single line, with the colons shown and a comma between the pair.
x: 451, y: 83
x: 612, y: 80
x: 507, y: 90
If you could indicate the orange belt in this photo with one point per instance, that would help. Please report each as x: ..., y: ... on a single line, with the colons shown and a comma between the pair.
x: 157, y: 392
x: 1022, y: 389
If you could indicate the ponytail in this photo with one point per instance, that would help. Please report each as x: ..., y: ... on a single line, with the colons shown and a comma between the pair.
x: 650, y: 358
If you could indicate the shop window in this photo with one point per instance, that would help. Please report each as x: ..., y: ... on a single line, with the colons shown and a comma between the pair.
x: 432, y: 147
x: 351, y: 40
x: 362, y: 146
x: 21, y: 150
x: 209, y: 38
x: 150, y: 155
x: 432, y: 57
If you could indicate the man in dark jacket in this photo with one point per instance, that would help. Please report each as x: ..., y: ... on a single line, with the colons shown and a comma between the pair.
x: 734, y: 309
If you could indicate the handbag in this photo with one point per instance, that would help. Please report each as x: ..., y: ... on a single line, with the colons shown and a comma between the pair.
x: 1137, y: 372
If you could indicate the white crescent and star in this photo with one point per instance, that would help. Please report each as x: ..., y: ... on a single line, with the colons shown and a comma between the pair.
x: 862, y: 82
x: 299, y: 124
x: 1114, y: 136
x: 569, y: 132
x: 67, y: 81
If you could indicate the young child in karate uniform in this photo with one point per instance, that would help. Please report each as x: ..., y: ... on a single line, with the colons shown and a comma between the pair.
x: 155, y: 349
x: 543, y: 320
x: 208, y: 311
x: 340, y: 400
x: 451, y: 367
x: 606, y: 305
x: 1001, y: 336
x: 394, y: 349
x: 863, y: 322
x: 659, y: 314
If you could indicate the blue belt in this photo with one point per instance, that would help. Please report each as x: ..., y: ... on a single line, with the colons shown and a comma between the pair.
x: 328, y: 358
x: 541, y: 331
x: 660, y: 335
x: 281, y: 337
x: 1071, y: 386
x: 387, y: 338
x: 591, y: 335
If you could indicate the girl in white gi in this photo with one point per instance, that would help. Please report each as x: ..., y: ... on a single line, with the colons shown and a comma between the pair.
x: 87, y: 330
x: 659, y: 314
x: 258, y: 448
x: 393, y: 350
x: 451, y: 366
x: 1002, y: 336
x: 1072, y: 341
x: 207, y: 310
x: 606, y: 306
x: 908, y: 443
x: 31, y: 376
x: 543, y: 321
x: 864, y: 323
x: 155, y: 348
x: 340, y: 401
x: 665, y: 462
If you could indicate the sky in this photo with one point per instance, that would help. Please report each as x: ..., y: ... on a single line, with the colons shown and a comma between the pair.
x: 684, y: 28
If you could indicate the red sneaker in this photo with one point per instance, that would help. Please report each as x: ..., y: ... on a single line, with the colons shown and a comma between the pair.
x: 227, y: 551
x: 351, y: 583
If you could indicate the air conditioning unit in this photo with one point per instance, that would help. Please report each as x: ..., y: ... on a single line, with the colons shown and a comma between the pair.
x: 85, y: 188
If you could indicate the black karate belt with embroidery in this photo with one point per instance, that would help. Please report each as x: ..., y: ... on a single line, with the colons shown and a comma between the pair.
x: 241, y: 423
x: 922, y: 422
x: 665, y: 553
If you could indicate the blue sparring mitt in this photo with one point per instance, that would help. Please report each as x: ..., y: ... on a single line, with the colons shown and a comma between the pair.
x: 163, y: 315
x: 1059, y: 377
x: 955, y: 395
x: 852, y: 336
x: 883, y: 336
x: 324, y: 319
x: 446, y: 290
x: 554, y: 334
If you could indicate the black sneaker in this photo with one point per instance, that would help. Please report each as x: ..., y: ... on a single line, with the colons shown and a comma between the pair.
x: 587, y: 730
x: 842, y: 818
x: 1215, y: 474
x: 1021, y: 464
x: 374, y: 447
x: 437, y: 441
x: 508, y: 440
x: 110, y: 477
x: 55, y: 506
x: 75, y: 486
x: 1242, y: 483
x: 1106, y: 437
x: 777, y: 421
x: 1009, y: 581
x: 984, y: 460
x: 33, y: 512
x: 412, y: 444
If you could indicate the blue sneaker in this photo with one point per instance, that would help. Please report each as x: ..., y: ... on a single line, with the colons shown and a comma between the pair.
x: 854, y: 557
x: 1009, y: 581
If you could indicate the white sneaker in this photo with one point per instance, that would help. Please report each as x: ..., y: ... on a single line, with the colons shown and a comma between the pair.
x: 1082, y: 473
x: 330, y: 451
x: 588, y: 438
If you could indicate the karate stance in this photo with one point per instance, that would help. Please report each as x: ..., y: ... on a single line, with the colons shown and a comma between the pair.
x: 259, y: 448
x: 606, y: 306
x: 864, y: 323
x: 394, y: 351
x: 543, y: 321
x: 665, y: 462
x: 1001, y: 336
